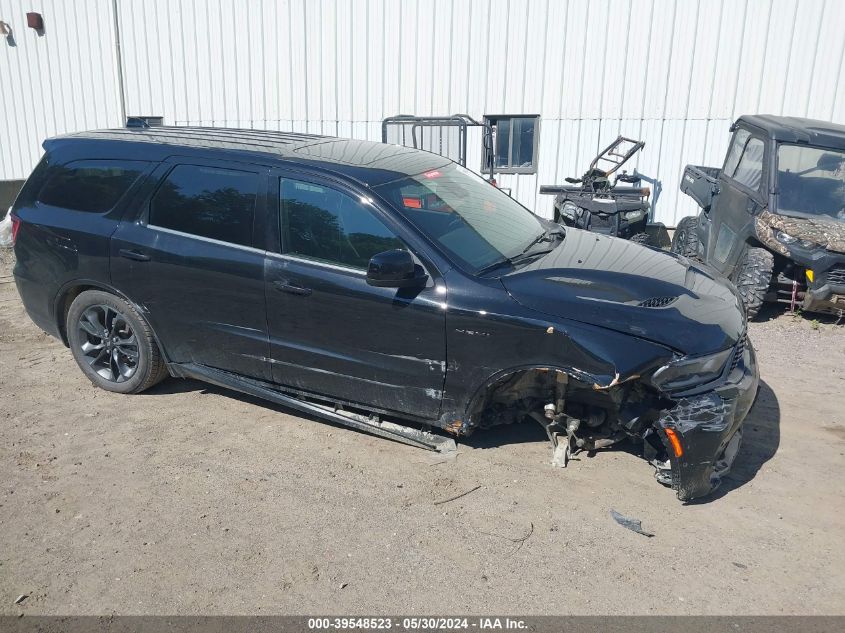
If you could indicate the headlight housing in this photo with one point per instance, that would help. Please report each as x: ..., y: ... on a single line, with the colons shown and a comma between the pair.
x: 634, y: 216
x: 789, y: 240
x: 688, y: 372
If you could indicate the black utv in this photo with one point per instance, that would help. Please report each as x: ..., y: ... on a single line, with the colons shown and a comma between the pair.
x: 596, y: 203
x: 773, y: 217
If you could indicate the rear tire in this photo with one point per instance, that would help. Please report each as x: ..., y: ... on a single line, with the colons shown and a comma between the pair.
x: 113, y: 344
x: 753, y: 276
x: 685, y: 239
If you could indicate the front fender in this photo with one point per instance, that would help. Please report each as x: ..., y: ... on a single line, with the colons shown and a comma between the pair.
x: 485, y: 345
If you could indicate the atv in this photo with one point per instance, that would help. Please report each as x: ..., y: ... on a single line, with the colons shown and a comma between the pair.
x: 772, y: 218
x: 600, y: 206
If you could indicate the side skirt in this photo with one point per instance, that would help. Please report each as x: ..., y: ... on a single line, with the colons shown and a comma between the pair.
x: 371, y: 424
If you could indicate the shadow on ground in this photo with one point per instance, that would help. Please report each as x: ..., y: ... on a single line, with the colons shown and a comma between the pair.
x: 760, y: 442
x: 761, y: 431
x: 773, y: 311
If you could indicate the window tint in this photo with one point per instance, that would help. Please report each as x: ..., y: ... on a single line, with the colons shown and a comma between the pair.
x: 207, y: 201
x: 738, y: 144
x: 515, y: 149
x: 749, y: 172
x: 327, y: 225
x: 94, y: 186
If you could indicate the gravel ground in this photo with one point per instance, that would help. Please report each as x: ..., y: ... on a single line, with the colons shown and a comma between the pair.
x: 192, y: 499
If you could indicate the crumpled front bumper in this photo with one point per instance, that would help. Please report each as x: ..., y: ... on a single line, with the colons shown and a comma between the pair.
x: 707, y: 428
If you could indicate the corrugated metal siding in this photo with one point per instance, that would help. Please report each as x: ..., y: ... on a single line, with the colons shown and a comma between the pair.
x: 672, y: 73
x: 62, y: 81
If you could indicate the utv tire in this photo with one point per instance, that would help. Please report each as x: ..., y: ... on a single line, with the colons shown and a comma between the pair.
x: 640, y: 238
x: 113, y: 344
x: 685, y: 239
x: 753, y: 276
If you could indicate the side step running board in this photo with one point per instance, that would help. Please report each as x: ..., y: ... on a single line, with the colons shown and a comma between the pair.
x: 389, y: 430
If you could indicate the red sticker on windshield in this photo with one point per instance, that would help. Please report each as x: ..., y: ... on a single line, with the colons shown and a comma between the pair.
x: 432, y: 174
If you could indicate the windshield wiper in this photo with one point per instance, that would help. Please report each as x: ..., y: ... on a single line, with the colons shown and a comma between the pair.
x: 505, y: 261
x: 545, y: 236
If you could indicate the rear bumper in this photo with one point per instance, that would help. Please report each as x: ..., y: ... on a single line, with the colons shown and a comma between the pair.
x: 708, y: 428
x: 37, y: 299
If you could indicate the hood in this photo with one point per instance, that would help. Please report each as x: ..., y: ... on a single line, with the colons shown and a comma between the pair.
x: 632, y: 289
x: 825, y: 231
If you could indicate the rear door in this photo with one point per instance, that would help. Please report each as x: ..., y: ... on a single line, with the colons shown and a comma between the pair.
x: 333, y: 334
x: 742, y: 194
x: 189, y: 261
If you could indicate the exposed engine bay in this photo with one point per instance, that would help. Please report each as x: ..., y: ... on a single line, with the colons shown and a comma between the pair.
x: 582, y: 417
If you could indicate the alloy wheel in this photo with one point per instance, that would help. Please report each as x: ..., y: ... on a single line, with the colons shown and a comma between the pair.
x: 108, y: 343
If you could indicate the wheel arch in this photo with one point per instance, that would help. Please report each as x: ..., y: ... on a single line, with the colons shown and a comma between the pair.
x: 475, y: 406
x: 72, y: 289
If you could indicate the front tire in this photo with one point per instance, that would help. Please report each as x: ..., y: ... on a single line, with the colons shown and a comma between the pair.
x: 753, y: 276
x: 685, y: 239
x: 113, y: 344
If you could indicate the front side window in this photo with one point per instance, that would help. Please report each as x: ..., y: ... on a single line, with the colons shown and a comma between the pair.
x: 93, y: 186
x: 208, y: 202
x: 735, y: 152
x: 327, y: 225
x: 811, y: 181
x: 514, y: 143
x: 472, y: 221
x: 749, y: 172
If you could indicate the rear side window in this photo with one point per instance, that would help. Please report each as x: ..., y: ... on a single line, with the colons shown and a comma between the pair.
x: 208, y: 202
x: 94, y: 186
x: 324, y: 224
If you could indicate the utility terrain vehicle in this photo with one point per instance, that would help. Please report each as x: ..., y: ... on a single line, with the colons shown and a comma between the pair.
x: 772, y: 218
x: 598, y: 205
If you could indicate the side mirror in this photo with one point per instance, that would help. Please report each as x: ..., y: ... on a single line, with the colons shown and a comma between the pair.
x: 394, y: 269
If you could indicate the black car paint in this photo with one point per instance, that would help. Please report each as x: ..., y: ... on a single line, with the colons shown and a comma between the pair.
x: 427, y: 354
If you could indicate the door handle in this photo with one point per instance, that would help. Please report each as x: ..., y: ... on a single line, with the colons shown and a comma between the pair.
x: 134, y: 255
x: 290, y: 288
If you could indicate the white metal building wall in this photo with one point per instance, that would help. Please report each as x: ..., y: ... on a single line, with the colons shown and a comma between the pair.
x: 63, y: 80
x: 672, y: 73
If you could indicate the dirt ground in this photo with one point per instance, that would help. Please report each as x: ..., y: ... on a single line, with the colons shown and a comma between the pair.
x: 192, y: 499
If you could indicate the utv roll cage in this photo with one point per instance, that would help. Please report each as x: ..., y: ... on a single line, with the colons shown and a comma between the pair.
x: 445, y: 135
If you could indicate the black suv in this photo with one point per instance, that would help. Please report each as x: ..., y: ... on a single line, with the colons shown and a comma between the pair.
x: 371, y: 284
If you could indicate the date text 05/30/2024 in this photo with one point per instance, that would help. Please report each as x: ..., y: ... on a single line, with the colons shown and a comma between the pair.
x: 416, y: 624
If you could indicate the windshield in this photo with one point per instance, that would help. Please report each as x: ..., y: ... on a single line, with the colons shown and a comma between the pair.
x: 470, y: 219
x: 811, y: 181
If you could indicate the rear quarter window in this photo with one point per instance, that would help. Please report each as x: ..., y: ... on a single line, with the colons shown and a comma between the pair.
x: 93, y: 186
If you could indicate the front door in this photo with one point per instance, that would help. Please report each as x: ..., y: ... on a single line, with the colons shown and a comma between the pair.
x: 190, y: 263
x: 742, y: 185
x: 331, y: 333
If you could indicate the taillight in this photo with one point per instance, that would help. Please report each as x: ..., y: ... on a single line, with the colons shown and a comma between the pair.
x: 16, y: 226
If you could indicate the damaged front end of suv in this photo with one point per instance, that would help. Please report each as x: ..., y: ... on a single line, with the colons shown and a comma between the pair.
x: 691, y: 438
x: 660, y: 359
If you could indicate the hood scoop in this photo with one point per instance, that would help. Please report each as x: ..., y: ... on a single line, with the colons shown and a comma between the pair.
x: 657, y: 302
